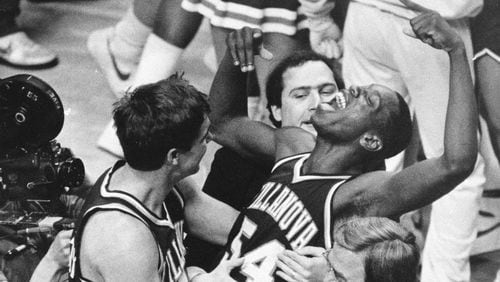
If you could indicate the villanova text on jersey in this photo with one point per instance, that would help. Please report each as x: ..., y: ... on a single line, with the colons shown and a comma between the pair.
x: 292, y: 210
x: 285, y: 207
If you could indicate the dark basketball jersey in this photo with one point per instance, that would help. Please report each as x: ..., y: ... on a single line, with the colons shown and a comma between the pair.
x: 291, y: 211
x: 167, y: 230
x: 235, y: 181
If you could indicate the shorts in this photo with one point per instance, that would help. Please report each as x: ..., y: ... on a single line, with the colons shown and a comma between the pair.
x: 271, y: 16
x: 485, y: 30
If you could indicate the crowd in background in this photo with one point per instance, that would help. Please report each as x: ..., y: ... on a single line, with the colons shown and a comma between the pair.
x: 367, y: 42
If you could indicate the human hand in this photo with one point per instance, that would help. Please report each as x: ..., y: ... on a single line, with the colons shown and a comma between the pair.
x: 221, y: 272
x: 59, y: 250
x: 324, y: 37
x: 432, y: 29
x: 305, y: 264
x: 244, y: 44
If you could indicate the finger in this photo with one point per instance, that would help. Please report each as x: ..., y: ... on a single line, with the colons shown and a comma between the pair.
x: 414, y: 6
x: 265, y: 54
x: 409, y: 32
x: 231, y: 46
x: 336, y: 52
x: 293, y: 260
x: 293, y: 274
x: 328, y: 49
x: 234, y: 262
x: 240, y: 49
x: 285, y: 276
x: 311, y: 251
x: 65, y: 234
x: 249, y: 42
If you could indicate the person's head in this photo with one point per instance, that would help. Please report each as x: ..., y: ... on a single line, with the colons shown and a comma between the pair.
x: 163, y: 123
x: 373, y: 249
x: 296, y: 86
x: 373, y: 118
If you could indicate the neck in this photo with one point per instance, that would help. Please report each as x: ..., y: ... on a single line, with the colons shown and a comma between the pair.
x: 149, y: 187
x: 328, y: 158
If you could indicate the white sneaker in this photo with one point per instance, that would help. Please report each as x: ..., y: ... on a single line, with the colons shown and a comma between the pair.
x: 18, y: 50
x: 98, y: 44
x: 108, y: 141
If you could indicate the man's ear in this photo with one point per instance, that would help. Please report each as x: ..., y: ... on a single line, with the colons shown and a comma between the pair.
x: 276, y: 111
x: 371, y: 142
x: 172, y: 156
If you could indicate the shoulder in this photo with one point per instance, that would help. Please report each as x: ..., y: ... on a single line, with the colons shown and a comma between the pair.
x: 293, y: 140
x: 355, y: 196
x: 113, y: 240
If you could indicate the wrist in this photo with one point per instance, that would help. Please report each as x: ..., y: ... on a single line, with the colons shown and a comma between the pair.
x: 320, y: 23
x: 457, y: 49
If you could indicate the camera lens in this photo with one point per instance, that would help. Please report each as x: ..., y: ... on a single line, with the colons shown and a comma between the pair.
x: 71, y: 172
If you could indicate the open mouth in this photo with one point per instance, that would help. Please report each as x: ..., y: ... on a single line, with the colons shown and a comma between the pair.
x: 340, y: 99
x: 338, y: 102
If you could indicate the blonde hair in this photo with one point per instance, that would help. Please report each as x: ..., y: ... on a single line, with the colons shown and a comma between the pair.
x: 390, y: 252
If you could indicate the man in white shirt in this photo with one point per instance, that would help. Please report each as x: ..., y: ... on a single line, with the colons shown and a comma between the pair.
x: 376, y: 51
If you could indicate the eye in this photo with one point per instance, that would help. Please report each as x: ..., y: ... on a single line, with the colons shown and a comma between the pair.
x: 300, y: 93
x: 328, y: 89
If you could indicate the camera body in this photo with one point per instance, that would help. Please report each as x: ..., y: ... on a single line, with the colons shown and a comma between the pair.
x: 32, y: 164
x: 42, y: 172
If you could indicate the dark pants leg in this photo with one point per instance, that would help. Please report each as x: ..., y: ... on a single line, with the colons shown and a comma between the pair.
x: 9, y: 10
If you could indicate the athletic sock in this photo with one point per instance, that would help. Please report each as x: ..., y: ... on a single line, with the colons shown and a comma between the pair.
x: 127, y: 44
x: 158, y: 60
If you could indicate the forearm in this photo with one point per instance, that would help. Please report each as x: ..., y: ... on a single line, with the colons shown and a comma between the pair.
x: 316, y: 8
x: 210, y: 219
x: 228, y: 92
x: 460, y: 140
x: 48, y: 270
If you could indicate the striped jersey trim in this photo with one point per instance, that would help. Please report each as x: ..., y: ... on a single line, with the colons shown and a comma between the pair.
x: 287, y: 159
x: 328, y: 226
x: 105, y: 193
x: 298, y: 177
x: 236, y: 16
x: 487, y: 52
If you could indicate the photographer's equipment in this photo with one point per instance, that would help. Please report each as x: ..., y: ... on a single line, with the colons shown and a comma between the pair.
x: 32, y: 164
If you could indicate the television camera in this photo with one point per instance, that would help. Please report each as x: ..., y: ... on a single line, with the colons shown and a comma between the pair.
x: 32, y: 164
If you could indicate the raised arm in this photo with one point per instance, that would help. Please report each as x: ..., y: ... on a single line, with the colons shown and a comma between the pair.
x: 426, y: 181
x: 228, y: 99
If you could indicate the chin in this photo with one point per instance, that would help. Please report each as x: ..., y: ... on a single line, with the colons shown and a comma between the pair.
x: 309, y: 128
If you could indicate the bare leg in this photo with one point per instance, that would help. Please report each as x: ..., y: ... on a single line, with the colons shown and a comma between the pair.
x: 145, y: 11
x: 173, y: 30
x: 488, y: 84
x: 176, y: 25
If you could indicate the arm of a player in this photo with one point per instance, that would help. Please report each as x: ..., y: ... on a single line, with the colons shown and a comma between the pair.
x: 55, y: 262
x: 231, y: 125
x: 118, y: 247
x: 206, y: 217
x: 424, y: 182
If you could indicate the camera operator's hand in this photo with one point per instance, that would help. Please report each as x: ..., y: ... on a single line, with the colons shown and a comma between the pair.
x: 244, y: 44
x: 56, y: 261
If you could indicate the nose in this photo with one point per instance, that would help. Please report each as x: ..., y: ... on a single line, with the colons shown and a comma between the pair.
x: 315, y: 99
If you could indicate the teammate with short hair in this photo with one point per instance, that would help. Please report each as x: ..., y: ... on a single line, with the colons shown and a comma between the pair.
x: 131, y: 228
x: 357, y: 126
x: 373, y: 249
